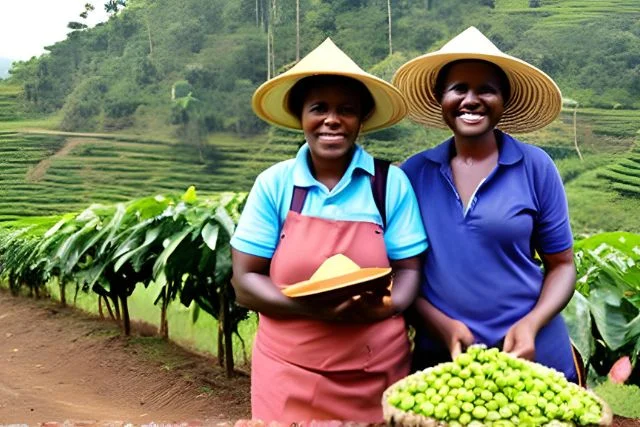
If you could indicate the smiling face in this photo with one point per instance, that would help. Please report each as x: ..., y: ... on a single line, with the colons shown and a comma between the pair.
x: 472, y: 98
x: 331, y: 116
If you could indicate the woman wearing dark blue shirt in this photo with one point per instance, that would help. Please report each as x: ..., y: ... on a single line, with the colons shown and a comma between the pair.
x: 494, y: 208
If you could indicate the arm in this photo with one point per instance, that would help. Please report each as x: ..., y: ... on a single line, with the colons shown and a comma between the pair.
x: 557, y: 289
x: 255, y: 291
x: 453, y: 333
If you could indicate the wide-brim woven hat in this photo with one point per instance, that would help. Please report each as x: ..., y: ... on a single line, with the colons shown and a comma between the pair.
x: 270, y: 100
x: 535, y: 99
x: 336, y: 272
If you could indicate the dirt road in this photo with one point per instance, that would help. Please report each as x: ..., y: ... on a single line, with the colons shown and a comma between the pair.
x: 58, y: 365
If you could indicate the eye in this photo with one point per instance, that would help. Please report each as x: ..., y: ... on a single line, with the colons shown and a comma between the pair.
x: 488, y: 89
x: 458, y: 87
x: 318, y: 107
x: 349, y: 110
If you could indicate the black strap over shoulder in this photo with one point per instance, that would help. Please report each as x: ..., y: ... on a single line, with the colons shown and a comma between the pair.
x: 378, y: 188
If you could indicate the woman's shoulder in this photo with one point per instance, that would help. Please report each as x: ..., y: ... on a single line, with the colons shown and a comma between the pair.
x: 277, y: 172
x: 532, y: 154
x: 431, y: 156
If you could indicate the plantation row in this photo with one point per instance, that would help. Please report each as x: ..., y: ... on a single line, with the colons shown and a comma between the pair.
x: 182, y: 245
x: 8, y: 99
x: 179, y: 243
x: 568, y: 13
x: 624, y: 176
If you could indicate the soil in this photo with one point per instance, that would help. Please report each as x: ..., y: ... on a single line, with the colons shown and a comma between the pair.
x: 61, y: 367
x: 58, y: 365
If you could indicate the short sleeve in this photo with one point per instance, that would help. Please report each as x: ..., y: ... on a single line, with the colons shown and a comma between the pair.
x: 553, y: 230
x: 259, y: 225
x: 405, y: 235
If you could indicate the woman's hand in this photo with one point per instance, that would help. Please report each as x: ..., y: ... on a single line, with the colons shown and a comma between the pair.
x: 521, y: 339
x: 365, y: 308
x: 452, y: 332
x: 376, y: 306
x: 458, y: 337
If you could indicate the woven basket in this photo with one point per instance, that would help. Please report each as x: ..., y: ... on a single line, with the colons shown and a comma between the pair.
x: 396, y: 417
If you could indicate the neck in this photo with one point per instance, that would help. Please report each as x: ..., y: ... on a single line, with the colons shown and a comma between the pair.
x: 476, y: 148
x: 329, y: 171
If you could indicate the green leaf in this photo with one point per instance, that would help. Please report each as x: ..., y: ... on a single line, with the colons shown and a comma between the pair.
x: 578, y: 319
x: 172, y: 243
x: 190, y: 195
x: 614, y: 317
x: 210, y: 235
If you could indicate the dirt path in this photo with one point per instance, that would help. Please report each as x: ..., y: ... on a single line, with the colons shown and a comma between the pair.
x: 57, y: 365
x: 41, y: 168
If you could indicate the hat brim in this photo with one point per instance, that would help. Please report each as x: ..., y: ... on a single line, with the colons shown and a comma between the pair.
x: 535, y: 99
x: 270, y: 100
x: 314, y: 287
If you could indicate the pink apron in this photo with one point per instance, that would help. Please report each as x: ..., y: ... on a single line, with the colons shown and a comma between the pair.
x: 305, y: 370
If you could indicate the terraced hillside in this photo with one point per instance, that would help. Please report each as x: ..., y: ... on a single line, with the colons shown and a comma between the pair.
x: 623, y: 176
x: 51, y: 173
x: 47, y: 172
x: 570, y: 12
x: 8, y: 99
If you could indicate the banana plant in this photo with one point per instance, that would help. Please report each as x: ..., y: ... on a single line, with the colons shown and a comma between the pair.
x: 180, y: 242
x: 604, y: 314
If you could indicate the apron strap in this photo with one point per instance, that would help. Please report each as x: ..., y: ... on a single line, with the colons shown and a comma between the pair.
x: 378, y: 188
x: 297, y: 201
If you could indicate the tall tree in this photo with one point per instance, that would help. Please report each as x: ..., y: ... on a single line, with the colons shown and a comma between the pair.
x: 297, y: 30
x: 76, y: 25
x: 389, y: 15
x: 113, y: 6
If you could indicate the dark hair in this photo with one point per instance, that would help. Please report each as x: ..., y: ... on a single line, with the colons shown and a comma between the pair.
x: 503, y: 80
x: 301, y: 89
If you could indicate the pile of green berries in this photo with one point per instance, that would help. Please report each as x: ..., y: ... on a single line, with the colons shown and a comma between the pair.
x: 489, y: 387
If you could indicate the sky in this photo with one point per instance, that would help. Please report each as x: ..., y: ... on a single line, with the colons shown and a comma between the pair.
x: 27, y: 26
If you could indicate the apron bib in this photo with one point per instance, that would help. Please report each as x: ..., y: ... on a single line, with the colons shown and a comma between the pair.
x: 305, y: 369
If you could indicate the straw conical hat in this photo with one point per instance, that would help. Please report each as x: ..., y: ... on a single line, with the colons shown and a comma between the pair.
x: 270, y: 100
x: 535, y: 99
x: 336, y: 272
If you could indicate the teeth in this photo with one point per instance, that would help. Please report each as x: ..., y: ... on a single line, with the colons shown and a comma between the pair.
x: 470, y: 117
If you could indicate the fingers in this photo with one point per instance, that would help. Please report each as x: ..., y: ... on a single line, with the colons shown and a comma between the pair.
x: 509, y: 343
x: 519, y: 346
x: 456, y: 350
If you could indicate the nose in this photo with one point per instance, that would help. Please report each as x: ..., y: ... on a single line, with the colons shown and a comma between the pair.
x: 471, y: 99
x: 332, y: 118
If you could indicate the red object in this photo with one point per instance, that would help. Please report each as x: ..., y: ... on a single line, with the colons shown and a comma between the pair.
x: 304, y: 369
x: 621, y: 370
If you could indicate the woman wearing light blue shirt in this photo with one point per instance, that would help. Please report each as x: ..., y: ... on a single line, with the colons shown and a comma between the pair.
x: 327, y: 358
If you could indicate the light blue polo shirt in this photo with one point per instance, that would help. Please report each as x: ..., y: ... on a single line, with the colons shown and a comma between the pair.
x: 351, y: 199
x: 480, y: 267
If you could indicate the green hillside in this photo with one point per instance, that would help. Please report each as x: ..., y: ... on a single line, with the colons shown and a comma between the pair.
x: 120, y: 90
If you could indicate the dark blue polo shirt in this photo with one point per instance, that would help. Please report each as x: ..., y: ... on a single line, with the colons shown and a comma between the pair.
x: 480, y: 267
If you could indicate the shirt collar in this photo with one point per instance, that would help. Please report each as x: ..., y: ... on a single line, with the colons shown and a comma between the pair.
x: 510, y: 151
x: 302, y: 176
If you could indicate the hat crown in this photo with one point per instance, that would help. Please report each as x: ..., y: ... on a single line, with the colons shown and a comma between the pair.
x: 326, y: 59
x: 334, y: 266
x: 471, y: 40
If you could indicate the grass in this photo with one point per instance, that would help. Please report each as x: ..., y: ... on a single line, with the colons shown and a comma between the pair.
x: 623, y: 399
x: 199, y: 335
